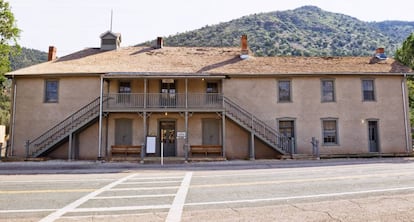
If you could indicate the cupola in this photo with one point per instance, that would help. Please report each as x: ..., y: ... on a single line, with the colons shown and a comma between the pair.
x: 110, y: 41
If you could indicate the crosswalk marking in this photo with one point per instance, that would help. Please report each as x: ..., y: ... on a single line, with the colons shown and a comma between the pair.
x: 175, y: 209
x: 70, y: 207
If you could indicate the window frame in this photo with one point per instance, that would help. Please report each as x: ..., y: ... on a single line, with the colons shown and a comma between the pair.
x: 47, y: 97
x: 323, y: 91
x: 336, y: 143
x: 364, y: 99
x: 289, y: 100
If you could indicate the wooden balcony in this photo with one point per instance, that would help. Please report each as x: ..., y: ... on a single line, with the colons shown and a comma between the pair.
x: 163, y: 102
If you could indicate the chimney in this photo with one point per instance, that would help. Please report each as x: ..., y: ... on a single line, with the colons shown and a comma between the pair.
x: 160, y: 43
x: 244, y: 48
x: 379, y: 51
x: 52, y: 53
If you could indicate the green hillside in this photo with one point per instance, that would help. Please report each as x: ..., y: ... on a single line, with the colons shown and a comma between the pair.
x: 27, y: 57
x: 307, y: 31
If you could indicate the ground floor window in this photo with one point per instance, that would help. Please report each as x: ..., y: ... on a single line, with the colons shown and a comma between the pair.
x: 330, y: 131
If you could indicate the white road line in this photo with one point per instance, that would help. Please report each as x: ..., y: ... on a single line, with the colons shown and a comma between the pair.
x: 25, y: 211
x: 54, y: 181
x: 301, y: 197
x: 126, y: 208
x: 156, y: 178
x: 70, y: 207
x: 134, y: 196
x: 174, y: 215
x: 105, y: 217
x: 144, y: 188
x: 153, y: 182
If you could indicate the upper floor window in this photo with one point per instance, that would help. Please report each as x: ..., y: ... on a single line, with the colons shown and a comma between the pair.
x: 51, y: 91
x: 285, y: 94
x: 124, y: 87
x: 330, y: 131
x: 328, y: 90
x: 212, y: 87
x: 368, y: 92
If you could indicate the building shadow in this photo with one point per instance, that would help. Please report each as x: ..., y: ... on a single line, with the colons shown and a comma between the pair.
x: 220, y: 64
x: 80, y: 54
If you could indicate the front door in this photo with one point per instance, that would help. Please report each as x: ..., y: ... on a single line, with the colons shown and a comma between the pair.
x: 167, y: 133
x: 373, y: 136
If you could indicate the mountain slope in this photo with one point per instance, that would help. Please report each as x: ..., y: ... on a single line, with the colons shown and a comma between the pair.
x: 27, y: 57
x: 307, y: 31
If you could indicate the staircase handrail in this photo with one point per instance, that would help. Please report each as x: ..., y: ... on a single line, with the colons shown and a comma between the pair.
x: 64, y: 123
x: 261, y: 123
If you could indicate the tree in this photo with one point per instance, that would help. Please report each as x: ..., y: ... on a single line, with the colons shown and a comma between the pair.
x: 8, y: 37
x: 405, y: 54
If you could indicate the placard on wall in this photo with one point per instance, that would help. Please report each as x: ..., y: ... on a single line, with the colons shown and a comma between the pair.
x: 151, y: 141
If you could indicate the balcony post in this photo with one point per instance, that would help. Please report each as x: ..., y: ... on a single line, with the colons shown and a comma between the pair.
x: 186, y: 137
x: 143, y: 147
x: 100, y: 121
x: 186, y: 93
x: 145, y: 93
x: 223, y: 133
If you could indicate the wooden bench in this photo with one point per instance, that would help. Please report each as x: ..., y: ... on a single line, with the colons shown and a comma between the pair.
x: 206, y: 149
x: 125, y: 150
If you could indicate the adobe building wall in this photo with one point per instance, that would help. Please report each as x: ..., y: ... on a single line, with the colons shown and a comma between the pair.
x: 260, y: 96
x: 33, y: 117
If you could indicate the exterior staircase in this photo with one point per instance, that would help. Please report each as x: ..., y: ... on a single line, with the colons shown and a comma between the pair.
x: 61, y: 131
x: 260, y: 129
x: 90, y: 113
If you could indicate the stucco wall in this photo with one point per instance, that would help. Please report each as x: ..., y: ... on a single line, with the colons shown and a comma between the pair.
x: 33, y: 116
x: 307, y: 110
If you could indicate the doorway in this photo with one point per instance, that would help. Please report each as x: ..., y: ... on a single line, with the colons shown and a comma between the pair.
x: 123, y: 132
x: 168, y: 93
x: 211, y: 131
x: 373, y: 140
x: 167, y: 138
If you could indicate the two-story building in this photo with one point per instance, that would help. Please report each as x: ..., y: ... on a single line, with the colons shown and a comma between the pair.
x: 171, y: 101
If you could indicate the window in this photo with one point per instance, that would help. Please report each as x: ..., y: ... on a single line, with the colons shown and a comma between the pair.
x: 330, y: 131
x: 212, y: 87
x: 368, y: 90
x: 124, y: 87
x: 284, y: 91
x: 51, y: 91
x: 328, y: 91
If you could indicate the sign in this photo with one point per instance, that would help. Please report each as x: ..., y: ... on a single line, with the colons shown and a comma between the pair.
x: 167, y: 80
x: 180, y: 134
x: 151, y: 144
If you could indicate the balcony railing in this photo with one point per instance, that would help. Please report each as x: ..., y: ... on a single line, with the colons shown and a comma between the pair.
x: 140, y: 101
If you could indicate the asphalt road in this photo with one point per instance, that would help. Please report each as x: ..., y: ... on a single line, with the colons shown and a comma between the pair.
x: 330, y: 190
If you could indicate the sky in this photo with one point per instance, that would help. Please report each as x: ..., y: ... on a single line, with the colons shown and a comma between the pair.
x: 72, y: 25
